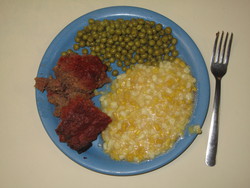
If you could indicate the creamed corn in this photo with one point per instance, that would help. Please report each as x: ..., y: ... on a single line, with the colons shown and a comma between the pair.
x: 150, y: 107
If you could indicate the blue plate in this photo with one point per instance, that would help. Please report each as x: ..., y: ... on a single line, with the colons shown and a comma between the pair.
x: 95, y: 159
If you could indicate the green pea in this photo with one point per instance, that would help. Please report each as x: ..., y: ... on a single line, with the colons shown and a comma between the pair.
x: 141, y: 21
x: 137, y: 43
x: 171, y: 58
x: 118, y: 31
x: 155, y: 37
x: 112, y: 31
x: 76, y: 47
x: 112, y: 59
x: 100, y: 28
x: 149, y: 31
x: 115, y: 72
x: 63, y: 53
x: 110, y: 41
x: 127, y: 62
x: 85, y: 51
x: 124, y: 69
x: 103, y: 40
x: 77, y: 39
x: 119, y: 63
x: 104, y: 35
x: 141, y: 51
x: 117, y: 55
x: 79, y: 34
x: 139, y: 27
x: 175, y: 53
x: 108, y: 55
x: 166, y: 57
x: 134, y: 48
x: 97, y: 48
x: 134, y: 33
x: 113, y: 51
x: 122, y: 58
x: 158, y: 27
x: 102, y: 46
x: 115, y: 38
x: 131, y: 43
x: 151, y: 42
x: 172, y: 48
x: 141, y: 61
x: 101, y: 58
x: 129, y: 56
x: 110, y: 69
x: 165, y: 38
x: 107, y: 62
x: 157, y: 52
x: 166, y: 50
x: 133, y: 61
x: 128, y: 31
x: 168, y: 30
x: 159, y: 43
x: 127, y: 39
x: 93, y: 53
x: 150, y: 37
x: 141, y: 35
x: 150, y: 51
x: 144, y: 56
x: 137, y: 57
x: 170, y: 37
x: 143, y: 41
x: 124, y: 51
x: 91, y: 21
x: 123, y: 44
x: 174, y: 41
x: 120, y: 38
x: 81, y: 43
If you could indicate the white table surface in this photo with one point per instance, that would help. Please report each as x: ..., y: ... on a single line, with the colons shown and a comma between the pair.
x: 30, y: 159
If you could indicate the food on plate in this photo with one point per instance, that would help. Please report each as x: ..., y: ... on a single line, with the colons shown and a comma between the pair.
x: 76, y: 78
x: 126, y: 42
x: 150, y: 107
x: 195, y: 129
x: 81, y: 123
x: 75, y: 75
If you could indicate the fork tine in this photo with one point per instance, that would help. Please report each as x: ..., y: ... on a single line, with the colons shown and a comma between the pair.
x: 219, y: 50
x: 215, y: 47
x: 224, y: 49
x: 229, y: 49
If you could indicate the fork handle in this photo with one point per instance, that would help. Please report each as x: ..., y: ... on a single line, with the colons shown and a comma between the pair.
x: 214, y: 127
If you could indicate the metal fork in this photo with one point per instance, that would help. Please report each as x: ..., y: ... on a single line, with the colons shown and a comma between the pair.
x: 219, y: 65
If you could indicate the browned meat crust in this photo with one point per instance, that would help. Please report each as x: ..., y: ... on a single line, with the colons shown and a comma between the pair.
x: 41, y: 83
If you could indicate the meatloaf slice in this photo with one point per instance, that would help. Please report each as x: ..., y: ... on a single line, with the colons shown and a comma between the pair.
x: 76, y: 75
x: 85, y: 72
x: 81, y: 122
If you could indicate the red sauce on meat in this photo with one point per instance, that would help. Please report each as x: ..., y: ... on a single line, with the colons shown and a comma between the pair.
x: 89, y: 70
x: 76, y: 79
x: 81, y: 122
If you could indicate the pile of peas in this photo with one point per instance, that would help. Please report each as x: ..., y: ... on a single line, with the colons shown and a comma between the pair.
x: 126, y: 42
